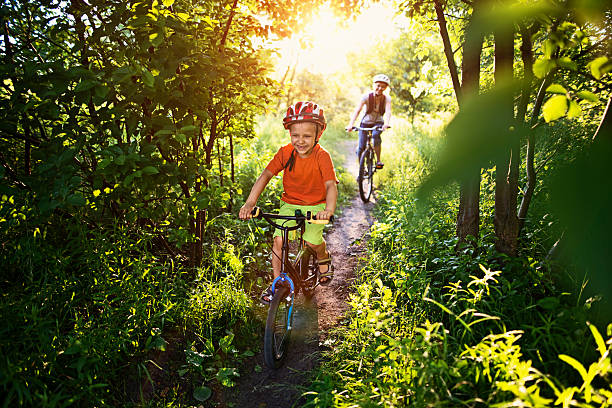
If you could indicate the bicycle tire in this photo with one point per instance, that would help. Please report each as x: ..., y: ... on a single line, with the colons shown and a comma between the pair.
x: 278, y: 330
x: 309, y: 272
x: 366, y: 174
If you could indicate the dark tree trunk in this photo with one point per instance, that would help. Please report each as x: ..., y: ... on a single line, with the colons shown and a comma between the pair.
x: 507, y: 166
x: 448, y: 49
x: 232, y: 164
x: 227, y: 26
x: 468, y: 217
x: 529, y: 159
x: 220, y: 160
x: 27, y: 160
x: 604, y: 131
x: 527, y: 58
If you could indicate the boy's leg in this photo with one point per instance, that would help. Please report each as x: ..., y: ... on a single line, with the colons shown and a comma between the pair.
x: 277, y: 248
x: 321, y: 251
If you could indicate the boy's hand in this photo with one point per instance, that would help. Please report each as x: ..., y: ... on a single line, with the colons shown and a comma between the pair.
x: 349, y: 128
x: 245, y: 211
x: 324, y: 215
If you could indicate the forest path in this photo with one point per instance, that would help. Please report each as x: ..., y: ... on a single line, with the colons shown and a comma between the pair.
x: 260, y: 387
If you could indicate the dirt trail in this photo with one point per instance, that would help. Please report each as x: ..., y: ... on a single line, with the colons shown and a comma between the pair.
x: 260, y: 387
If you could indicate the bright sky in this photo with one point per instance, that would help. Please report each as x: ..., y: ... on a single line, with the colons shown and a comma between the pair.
x: 331, y: 42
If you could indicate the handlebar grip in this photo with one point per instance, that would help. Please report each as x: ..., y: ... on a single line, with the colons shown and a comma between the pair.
x: 255, y: 212
x: 315, y: 221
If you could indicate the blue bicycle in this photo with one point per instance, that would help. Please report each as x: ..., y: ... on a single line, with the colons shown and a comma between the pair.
x: 302, y: 274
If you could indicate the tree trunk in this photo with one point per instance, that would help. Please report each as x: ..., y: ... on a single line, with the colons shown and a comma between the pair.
x: 27, y: 160
x: 604, y: 131
x: 527, y: 58
x: 529, y: 160
x: 220, y: 160
x: 507, y: 166
x: 448, y: 50
x: 468, y: 217
x: 227, y: 26
x: 232, y: 163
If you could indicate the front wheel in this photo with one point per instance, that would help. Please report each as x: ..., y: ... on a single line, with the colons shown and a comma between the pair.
x: 366, y: 174
x: 278, y: 328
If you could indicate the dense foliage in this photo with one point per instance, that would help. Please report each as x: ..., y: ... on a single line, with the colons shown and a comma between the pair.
x: 127, y: 140
x: 433, y: 326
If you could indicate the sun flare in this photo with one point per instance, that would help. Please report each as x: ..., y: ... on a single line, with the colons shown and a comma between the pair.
x: 323, y: 45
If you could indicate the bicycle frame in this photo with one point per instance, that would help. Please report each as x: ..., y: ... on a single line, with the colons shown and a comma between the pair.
x: 370, y: 144
x: 285, y: 277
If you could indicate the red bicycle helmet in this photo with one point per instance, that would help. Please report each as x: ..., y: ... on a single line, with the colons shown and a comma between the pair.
x: 305, y: 112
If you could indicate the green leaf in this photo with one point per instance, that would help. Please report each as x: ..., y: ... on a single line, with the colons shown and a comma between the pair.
x: 163, y: 132
x: 76, y: 199
x: 574, y: 110
x: 85, y: 85
x: 556, y: 89
x: 156, y: 39
x: 202, y: 393
x: 549, y: 303
x: 226, y: 342
x: 148, y: 78
x: 588, y: 96
x: 554, y: 108
x: 128, y: 180
x: 601, y: 345
x: 181, y: 137
x: 574, y: 363
x: 566, y: 62
x: 543, y: 66
x: 101, y: 91
x: 600, y: 66
x: 74, y: 348
x: 188, y: 129
x: 159, y: 343
x: 167, y: 3
x: 150, y: 170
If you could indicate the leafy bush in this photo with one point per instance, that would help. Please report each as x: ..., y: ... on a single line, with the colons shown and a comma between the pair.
x: 433, y: 324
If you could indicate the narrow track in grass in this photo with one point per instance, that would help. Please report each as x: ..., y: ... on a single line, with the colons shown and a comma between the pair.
x: 260, y: 387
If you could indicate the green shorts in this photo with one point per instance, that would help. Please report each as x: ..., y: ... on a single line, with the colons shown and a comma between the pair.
x: 313, y: 232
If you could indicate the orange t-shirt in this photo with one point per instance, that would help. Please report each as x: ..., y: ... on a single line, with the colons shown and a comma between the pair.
x: 305, y: 184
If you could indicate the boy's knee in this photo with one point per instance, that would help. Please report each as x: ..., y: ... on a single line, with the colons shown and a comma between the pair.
x: 315, y: 246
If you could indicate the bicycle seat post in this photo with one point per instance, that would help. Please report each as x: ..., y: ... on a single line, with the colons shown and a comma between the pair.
x: 284, y: 251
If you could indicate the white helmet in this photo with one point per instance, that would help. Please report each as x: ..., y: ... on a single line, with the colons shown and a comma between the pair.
x: 381, y: 78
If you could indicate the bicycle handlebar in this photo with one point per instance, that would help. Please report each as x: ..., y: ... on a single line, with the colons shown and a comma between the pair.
x: 368, y: 129
x: 257, y: 213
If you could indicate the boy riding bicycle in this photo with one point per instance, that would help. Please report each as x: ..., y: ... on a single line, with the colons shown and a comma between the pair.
x: 309, y: 184
x: 378, y: 113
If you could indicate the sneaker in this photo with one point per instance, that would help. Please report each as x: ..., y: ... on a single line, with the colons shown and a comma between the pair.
x: 380, y: 165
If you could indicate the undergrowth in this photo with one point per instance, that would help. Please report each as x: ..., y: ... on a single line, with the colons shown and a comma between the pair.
x: 431, y: 324
x: 105, y: 317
